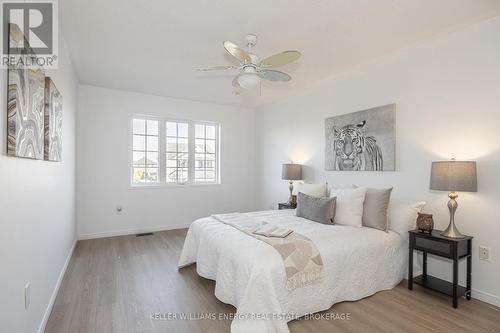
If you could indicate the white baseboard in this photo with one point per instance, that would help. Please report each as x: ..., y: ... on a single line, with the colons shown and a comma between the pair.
x: 485, y: 297
x: 52, y: 300
x: 124, y: 232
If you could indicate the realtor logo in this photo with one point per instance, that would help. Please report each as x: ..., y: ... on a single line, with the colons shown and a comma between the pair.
x: 29, y: 28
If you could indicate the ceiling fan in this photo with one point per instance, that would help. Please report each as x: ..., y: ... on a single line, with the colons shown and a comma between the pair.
x: 251, y: 68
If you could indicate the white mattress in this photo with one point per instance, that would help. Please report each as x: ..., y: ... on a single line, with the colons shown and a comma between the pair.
x: 250, y: 275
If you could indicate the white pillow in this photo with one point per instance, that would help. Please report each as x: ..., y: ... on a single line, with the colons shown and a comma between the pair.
x: 403, y: 216
x: 312, y: 190
x: 349, y: 209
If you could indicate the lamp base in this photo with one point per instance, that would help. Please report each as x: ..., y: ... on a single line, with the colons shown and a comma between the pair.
x: 452, y: 231
x: 290, y: 187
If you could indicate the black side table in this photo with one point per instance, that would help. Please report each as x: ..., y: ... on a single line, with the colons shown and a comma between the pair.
x: 451, y: 248
x: 286, y: 205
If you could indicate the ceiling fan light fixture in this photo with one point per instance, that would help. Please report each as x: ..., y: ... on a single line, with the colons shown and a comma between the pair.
x: 251, y: 68
x: 248, y: 80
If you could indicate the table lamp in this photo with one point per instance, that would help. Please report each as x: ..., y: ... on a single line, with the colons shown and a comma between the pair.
x: 291, y: 172
x: 453, y: 176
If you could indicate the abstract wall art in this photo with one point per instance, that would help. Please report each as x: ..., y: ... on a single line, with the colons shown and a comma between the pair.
x: 25, y: 104
x: 53, y: 122
x: 362, y: 141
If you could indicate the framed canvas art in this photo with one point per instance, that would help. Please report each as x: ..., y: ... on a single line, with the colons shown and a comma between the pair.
x: 53, y: 122
x: 362, y: 141
x: 25, y: 103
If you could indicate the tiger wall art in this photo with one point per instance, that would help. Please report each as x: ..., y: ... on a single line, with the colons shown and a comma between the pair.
x: 362, y: 141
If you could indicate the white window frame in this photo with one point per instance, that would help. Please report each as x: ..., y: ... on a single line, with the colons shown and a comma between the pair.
x: 131, y: 149
x: 162, y: 154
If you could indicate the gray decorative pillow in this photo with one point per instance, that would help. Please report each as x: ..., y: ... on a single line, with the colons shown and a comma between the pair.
x: 320, y: 210
x: 375, y: 208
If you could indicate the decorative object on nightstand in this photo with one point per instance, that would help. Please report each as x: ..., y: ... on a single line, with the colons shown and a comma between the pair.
x: 425, y: 223
x: 286, y: 205
x: 453, y: 176
x: 452, y: 248
x: 291, y: 172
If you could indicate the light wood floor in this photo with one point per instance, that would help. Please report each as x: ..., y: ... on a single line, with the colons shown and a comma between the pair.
x: 114, y: 284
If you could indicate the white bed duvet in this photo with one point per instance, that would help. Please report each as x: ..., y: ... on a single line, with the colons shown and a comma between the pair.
x: 250, y: 275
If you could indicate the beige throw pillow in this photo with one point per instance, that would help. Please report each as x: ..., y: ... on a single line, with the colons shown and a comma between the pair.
x: 375, y: 208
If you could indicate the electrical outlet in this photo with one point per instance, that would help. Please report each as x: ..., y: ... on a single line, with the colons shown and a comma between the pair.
x: 27, y: 296
x: 484, y: 253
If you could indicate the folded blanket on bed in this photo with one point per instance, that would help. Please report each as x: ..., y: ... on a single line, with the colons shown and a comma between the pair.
x: 301, y: 258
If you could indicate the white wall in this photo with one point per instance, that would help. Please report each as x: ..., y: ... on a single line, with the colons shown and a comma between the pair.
x: 37, y: 214
x: 103, y: 172
x: 448, y: 105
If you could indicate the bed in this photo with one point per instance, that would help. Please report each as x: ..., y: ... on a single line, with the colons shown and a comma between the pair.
x: 249, y: 273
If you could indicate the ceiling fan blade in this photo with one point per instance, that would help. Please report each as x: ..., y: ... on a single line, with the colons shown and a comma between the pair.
x: 236, y: 84
x: 236, y: 52
x: 215, y: 68
x: 271, y: 75
x: 280, y: 59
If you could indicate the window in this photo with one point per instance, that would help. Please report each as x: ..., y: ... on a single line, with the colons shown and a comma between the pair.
x: 177, y: 152
x: 168, y: 151
x: 205, y: 151
x: 145, y: 151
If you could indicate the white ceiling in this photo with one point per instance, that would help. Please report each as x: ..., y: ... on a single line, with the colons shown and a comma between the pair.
x: 151, y: 46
